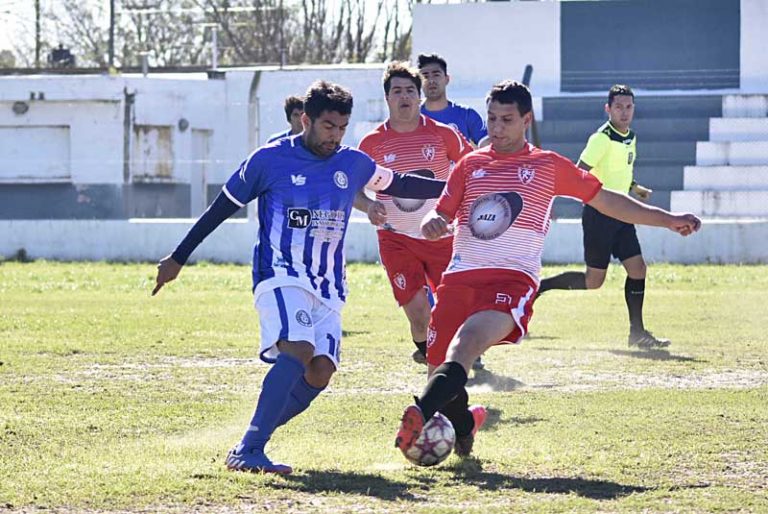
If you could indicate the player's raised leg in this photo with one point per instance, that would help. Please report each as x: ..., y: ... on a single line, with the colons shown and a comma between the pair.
x: 478, y: 333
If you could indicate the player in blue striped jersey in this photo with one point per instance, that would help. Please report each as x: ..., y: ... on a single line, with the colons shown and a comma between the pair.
x: 294, y: 108
x: 434, y: 71
x: 305, y: 186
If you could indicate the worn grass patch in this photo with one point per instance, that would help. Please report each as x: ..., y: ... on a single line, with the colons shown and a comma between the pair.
x: 111, y: 400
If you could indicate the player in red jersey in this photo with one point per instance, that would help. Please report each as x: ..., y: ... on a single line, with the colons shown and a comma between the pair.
x: 501, y: 196
x: 408, y: 140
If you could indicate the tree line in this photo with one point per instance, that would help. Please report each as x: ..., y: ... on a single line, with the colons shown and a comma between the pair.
x: 177, y: 33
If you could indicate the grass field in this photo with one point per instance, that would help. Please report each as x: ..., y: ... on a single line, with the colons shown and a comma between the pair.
x: 111, y: 400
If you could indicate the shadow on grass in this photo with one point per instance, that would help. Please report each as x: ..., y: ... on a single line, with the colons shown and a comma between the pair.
x: 483, y: 378
x: 350, y: 482
x: 470, y: 471
x: 494, y: 418
x: 348, y: 333
x: 654, y: 355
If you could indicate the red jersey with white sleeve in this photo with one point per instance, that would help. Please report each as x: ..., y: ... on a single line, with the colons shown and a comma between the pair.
x: 432, y: 146
x: 503, y: 202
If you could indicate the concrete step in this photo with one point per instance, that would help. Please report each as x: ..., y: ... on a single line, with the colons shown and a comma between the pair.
x: 721, y: 203
x: 592, y: 107
x: 649, y: 153
x: 659, y: 177
x: 726, y: 178
x: 658, y: 130
x: 738, y: 129
x: 745, y: 106
x: 753, y: 153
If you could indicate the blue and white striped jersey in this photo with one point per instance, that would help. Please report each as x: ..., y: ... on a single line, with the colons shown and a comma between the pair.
x: 304, y: 205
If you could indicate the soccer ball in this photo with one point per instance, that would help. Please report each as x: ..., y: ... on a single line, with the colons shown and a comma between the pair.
x: 434, y: 444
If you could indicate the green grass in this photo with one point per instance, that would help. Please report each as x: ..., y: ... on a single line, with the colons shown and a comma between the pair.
x: 113, y: 400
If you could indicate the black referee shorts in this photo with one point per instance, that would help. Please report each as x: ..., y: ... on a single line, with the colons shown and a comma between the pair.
x: 605, y: 236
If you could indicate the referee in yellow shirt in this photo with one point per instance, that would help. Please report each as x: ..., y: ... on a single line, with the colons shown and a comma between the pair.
x: 610, y: 155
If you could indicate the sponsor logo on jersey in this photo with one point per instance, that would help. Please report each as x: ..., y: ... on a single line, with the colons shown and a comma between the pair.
x: 478, y: 173
x: 298, y: 179
x: 526, y: 175
x: 492, y: 214
x: 299, y: 218
x: 400, y: 281
x: 303, y: 318
x: 341, y: 180
x: 428, y: 151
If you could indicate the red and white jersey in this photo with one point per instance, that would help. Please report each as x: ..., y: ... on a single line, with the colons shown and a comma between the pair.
x: 432, y: 146
x: 503, y: 201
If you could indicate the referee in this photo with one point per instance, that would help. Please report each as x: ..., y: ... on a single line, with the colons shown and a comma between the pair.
x: 610, y: 155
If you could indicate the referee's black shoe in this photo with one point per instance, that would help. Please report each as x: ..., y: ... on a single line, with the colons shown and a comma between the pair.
x: 644, y: 340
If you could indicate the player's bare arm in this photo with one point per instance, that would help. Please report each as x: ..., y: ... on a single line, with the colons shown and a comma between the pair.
x: 626, y: 209
x: 377, y: 213
x: 435, y: 225
x: 167, y: 270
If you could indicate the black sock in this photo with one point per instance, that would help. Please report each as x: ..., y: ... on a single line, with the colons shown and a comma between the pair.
x: 422, y: 347
x: 443, y: 386
x: 457, y: 411
x: 567, y: 280
x: 634, y: 293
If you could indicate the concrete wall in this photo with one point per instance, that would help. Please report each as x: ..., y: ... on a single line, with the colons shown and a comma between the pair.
x: 719, y: 241
x: 364, y: 81
x: 486, y: 42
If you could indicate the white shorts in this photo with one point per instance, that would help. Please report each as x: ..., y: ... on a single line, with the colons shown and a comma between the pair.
x: 295, y: 314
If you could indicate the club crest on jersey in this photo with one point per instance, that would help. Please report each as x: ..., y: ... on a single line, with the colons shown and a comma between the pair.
x: 526, y: 175
x: 303, y: 318
x: 340, y: 179
x: 400, y: 281
x: 428, y: 151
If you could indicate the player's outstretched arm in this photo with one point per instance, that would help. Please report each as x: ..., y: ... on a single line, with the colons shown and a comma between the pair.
x: 170, y: 266
x: 434, y: 225
x: 626, y: 209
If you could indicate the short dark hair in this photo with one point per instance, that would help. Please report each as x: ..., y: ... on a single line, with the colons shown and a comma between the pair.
x: 403, y: 70
x: 619, y: 89
x: 327, y: 96
x: 291, y: 103
x: 512, y: 92
x: 425, y: 59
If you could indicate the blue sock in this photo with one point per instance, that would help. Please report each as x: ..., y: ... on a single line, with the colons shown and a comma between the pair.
x: 301, y: 396
x: 275, y: 390
x: 430, y: 296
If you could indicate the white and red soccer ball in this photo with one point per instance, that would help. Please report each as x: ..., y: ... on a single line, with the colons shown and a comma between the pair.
x: 435, y: 443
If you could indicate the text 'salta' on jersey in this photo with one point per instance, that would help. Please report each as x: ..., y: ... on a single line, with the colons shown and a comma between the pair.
x: 432, y: 148
x: 502, y: 203
x: 304, y: 204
